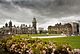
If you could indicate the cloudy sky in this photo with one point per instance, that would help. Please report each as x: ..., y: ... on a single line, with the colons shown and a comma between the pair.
x: 47, y: 12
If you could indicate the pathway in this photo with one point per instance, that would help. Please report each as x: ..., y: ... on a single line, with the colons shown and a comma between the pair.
x: 48, y: 36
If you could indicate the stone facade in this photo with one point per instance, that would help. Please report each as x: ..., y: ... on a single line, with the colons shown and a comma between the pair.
x: 60, y: 29
x: 79, y: 27
x: 68, y: 29
x: 23, y: 29
x: 75, y: 28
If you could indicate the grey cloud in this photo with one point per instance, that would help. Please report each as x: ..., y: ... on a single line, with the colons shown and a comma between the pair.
x: 51, y: 8
x: 44, y: 10
x: 8, y: 10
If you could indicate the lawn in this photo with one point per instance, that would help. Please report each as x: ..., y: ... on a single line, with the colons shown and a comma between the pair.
x: 44, y: 34
x: 73, y: 41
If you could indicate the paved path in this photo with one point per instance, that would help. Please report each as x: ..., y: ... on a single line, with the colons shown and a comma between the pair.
x: 48, y: 36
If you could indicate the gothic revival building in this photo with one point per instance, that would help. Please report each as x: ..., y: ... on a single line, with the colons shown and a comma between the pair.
x: 23, y: 29
x: 59, y: 29
x: 68, y: 29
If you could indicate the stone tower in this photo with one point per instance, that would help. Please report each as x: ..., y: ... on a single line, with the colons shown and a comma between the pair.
x: 10, y: 27
x: 10, y: 24
x: 6, y: 25
x: 34, y: 22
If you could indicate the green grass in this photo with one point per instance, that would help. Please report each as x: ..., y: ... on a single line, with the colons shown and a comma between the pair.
x: 41, y: 34
x: 73, y: 41
x: 31, y: 35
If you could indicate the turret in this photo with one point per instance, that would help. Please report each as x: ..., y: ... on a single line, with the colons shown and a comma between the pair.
x: 10, y: 23
x: 6, y: 25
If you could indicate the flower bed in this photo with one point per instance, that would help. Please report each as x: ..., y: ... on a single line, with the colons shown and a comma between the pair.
x: 32, y: 46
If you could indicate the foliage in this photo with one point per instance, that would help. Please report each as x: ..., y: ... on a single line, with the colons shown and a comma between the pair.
x: 19, y: 45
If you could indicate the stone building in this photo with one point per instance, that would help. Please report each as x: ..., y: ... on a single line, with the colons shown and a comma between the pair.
x: 34, y: 25
x: 79, y: 27
x: 40, y: 30
x: 75, y: 28
x: 60, y: 29
x: 23, y: 29
x: 68, y: 29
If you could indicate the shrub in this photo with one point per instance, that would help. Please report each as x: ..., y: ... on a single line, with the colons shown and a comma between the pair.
x: 32, y: 46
